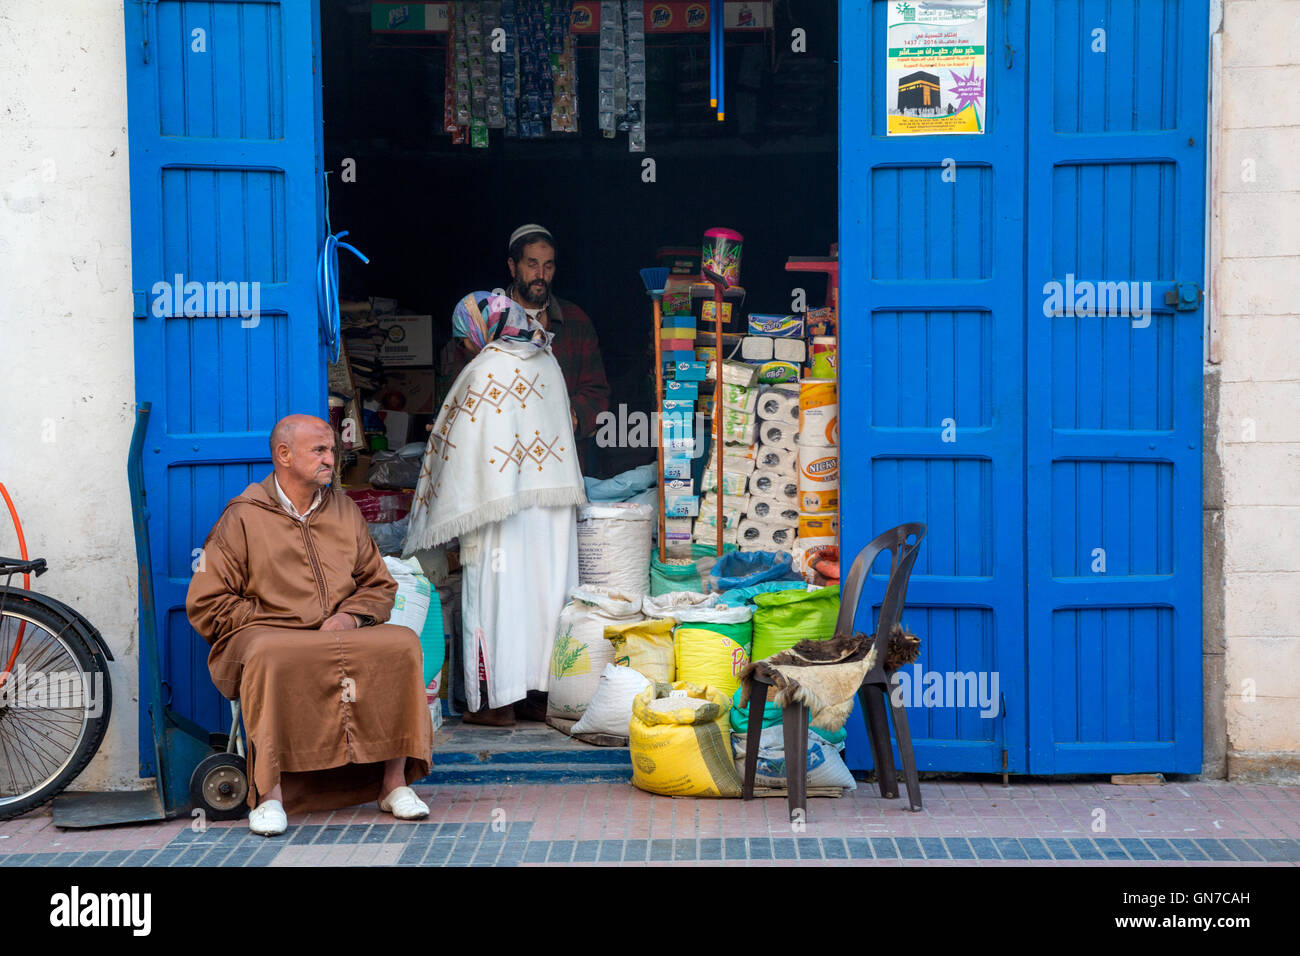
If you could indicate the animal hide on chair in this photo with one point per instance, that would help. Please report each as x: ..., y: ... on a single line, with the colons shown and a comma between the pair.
x: 826, y: 675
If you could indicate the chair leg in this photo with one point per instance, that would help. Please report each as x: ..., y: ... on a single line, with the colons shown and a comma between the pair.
x: 794, y: 723
x: 757, y: 701
x: 904, y: 735
x: 864, y: 706
x: 878, y: 728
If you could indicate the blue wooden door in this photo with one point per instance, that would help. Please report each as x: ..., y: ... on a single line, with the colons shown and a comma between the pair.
x: 1117, y: 118
x: 225, y: 208
x: 932, y: 387
x: 1034, y: 444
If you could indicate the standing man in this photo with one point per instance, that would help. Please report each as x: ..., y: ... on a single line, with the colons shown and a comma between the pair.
x: 531, y: 261
x: 292, y: 595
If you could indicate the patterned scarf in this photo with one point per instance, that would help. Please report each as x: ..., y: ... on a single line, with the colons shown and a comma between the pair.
x: 484, y: 316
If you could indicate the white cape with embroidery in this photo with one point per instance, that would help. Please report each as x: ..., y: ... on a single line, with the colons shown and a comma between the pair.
x: 503, y: 442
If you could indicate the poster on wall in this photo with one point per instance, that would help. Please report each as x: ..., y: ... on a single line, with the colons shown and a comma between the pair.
x: 935, y: 66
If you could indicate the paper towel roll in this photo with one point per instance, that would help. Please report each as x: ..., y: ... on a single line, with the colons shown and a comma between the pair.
x: 774, y: 484
x: 819, y: 413
x: 819, y: 478
x: 779, y: 405
x: 776, y: 458
x: 765, y: 536
x: 781, y: 510
x: 779, y: 434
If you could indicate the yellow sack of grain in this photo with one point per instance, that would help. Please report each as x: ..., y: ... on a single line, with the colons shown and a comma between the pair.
x: 680, y: 741
x: 645, y: 646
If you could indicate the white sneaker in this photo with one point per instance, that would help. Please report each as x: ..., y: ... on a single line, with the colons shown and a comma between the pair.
x: 268, y: 819
x: 404, y: 804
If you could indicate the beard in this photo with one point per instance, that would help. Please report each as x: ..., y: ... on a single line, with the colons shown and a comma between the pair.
x: 534, y: 293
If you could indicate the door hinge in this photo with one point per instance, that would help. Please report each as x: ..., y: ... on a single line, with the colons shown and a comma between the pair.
x: 146, y: 20
x: 1184, y: 297
x: 139, y: 308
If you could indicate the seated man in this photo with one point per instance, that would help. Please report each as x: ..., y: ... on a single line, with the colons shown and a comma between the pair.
x: 292, y: 594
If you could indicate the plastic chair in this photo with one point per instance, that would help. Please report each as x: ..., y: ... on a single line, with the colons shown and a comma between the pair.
x: 873, y: 693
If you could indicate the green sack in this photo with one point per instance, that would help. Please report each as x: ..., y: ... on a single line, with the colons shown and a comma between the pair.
x: 739, y: 715
x: 784, y: 618
x: 666, y: 577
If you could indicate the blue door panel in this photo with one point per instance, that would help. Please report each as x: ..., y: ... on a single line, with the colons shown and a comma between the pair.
x: 224, y: 136
x: 1116, y: 192
x: 1074, y: 437
x: 932, y: 383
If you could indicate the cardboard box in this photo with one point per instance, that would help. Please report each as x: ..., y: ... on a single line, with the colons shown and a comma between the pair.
x: 681, y: 506
x: 409, y: 391
x: 677, y: 466
x: 408, y: 340
x: 691, y: 371
x: 681, y: 390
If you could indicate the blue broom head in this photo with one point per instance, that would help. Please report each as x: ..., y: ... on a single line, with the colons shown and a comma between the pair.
x: 655, y: 279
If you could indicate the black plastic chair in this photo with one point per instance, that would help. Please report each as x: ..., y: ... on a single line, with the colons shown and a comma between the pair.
x: 873, y: 693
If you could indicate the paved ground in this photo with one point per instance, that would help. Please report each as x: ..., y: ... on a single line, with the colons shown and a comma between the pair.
x: 964, y: 823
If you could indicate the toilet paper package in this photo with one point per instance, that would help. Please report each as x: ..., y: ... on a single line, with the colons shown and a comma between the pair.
x: 779, y: 405
x: 732, y: 507
x: 779, y: 434
x: 706, y: 533
x: 740, y: 398
x: 774, y: 458
x: 782, y: 511
x: 755, y: 535
x: 734, y: 483
x: 774, y: 484
x: 819, y: 478
x: 738, y: 373
x: 819, y: 413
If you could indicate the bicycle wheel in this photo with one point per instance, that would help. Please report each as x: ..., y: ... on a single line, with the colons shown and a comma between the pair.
x: 54, y: 705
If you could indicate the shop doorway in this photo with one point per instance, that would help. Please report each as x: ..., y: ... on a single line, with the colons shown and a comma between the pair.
x: 228, y: 182
x: 1064, y: 546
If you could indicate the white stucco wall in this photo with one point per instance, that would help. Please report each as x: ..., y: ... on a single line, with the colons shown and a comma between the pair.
x: 1256, y: 263
x: 65, y: 333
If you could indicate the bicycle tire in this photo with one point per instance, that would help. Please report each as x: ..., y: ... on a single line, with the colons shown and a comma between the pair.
x: 46, y: 629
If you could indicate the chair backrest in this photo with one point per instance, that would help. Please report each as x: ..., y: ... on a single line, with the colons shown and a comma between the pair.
x: 903, y: 553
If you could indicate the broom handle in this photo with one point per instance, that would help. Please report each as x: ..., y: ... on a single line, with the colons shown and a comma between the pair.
x: 659, y: 417
x: 717, y: 398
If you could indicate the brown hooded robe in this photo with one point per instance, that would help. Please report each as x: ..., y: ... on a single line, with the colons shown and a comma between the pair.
x: 322, y: 709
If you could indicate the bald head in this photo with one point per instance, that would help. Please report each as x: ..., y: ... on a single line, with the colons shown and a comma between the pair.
x: 286, y: 428
x: 302, y: 452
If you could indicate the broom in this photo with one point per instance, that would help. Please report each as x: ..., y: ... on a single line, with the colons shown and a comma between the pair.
x: 655, y: 280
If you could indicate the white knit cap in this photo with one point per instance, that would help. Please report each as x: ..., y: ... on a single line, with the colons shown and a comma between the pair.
x: 525, y: 230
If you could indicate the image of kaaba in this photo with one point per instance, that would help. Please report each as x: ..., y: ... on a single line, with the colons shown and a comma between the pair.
x: 918, y: 91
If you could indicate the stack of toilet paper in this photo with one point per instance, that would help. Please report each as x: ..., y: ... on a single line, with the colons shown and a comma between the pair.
x: 772, y: 516
x: 818, y: 470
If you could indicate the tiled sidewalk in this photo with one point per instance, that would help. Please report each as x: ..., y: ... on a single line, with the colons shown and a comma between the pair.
x: 964, y: 823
